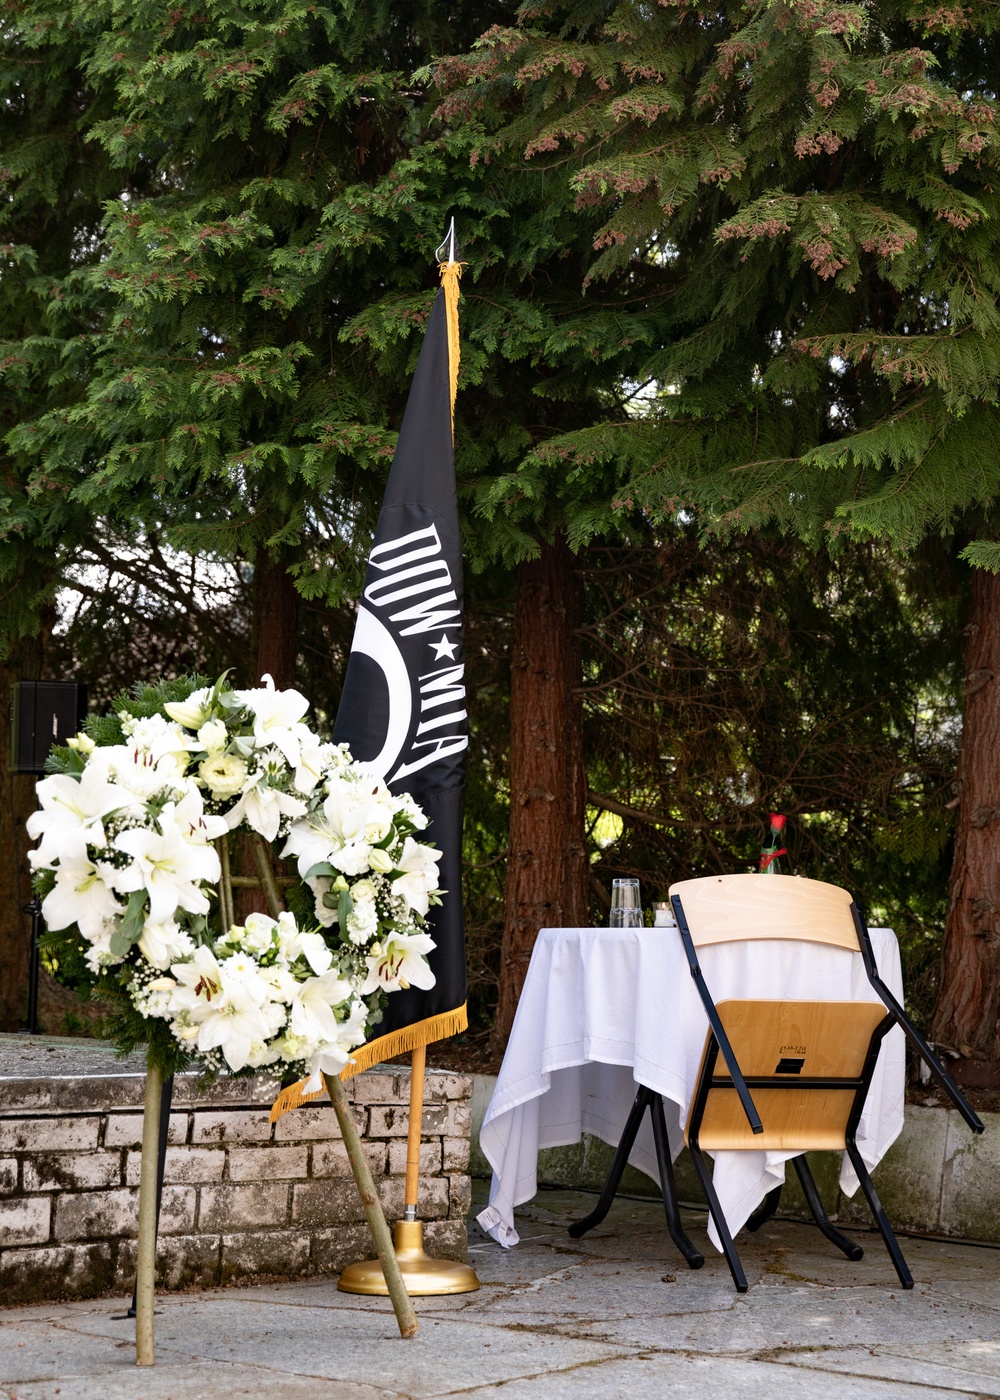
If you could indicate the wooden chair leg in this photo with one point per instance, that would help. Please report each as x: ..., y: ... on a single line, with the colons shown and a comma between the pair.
x: 881, y: 1219
x: 618, y: 1163
x: 853, y: 1251
x: 729, y: 1249
x: 668, y: 1186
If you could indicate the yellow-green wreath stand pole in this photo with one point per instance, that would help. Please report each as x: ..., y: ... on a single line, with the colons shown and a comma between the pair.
x: 145, y: 1273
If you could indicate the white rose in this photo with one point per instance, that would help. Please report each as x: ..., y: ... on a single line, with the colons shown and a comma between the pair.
x: 213, y: 736
x: 352, y: 859
x: 362, y: 890
x: 223, y: 775
x: 261, y: 1054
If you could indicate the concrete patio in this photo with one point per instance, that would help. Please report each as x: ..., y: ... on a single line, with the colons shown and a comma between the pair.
x: 615, y: 1314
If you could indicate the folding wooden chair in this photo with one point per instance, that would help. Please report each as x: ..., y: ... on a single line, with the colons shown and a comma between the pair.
x: 808, y: 1101
x: 801, y: 1101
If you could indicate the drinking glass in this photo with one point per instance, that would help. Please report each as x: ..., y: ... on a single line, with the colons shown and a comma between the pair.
x: 626, y: 912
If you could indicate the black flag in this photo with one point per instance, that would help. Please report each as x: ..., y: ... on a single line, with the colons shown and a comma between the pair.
x: 403, y: 706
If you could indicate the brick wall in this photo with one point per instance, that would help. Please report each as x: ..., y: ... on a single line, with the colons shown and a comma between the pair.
x: 240, y: 1197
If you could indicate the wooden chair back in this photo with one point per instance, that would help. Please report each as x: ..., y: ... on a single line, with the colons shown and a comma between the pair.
x: 787, y: 1042
x: 731, y: 908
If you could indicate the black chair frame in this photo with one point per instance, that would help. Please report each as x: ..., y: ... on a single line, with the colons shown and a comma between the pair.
x: 899, y: 1016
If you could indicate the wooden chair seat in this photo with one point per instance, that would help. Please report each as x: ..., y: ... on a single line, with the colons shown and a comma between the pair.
x: 782, y: 1047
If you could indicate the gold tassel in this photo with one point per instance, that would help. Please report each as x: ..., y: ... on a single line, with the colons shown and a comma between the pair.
x: 373, y: 1052
x: 292, y: 1097
x: 450, y: 274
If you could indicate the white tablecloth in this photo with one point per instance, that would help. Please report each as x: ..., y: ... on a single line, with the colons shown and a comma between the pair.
x: 603, y: 1010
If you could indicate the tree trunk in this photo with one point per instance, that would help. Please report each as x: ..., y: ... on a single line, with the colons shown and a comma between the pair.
x: 547, y: 861
x: 966, y: 1014
x: 276, y: 617
x: 17, y: 802
x: 275, y: 649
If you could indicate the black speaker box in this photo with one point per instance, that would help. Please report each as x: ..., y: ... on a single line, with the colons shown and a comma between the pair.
x: 43, y: 713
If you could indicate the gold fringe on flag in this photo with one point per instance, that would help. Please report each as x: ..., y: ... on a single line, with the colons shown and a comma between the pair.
x: 374, y: 1052
x: 450, y: 274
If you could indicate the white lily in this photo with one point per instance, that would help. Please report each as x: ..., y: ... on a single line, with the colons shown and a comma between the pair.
x: 137, y: 772
x: 311, y: 841
x: 361, y: 808
x: 199, y: 979
x: 154, y: 735
x: 311, y: 1012
x: 71, y: 815
x: 192, y: 712
x: 81, y: 896
x: 168, y: 866
x: 314, y: 761
x: 232, y: 1025
x: 197, y: 824
x: 262, y: 806
x: 400, y: 963
x: 419, y: 864
x: 333, y: 1055
x: 227, y: 1009
x: 316, y: 953
x: 276, y: 718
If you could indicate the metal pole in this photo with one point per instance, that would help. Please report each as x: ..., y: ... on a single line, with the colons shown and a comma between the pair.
x: 34, y: 955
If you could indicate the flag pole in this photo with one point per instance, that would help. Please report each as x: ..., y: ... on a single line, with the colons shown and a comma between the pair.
x: 424, y: 1276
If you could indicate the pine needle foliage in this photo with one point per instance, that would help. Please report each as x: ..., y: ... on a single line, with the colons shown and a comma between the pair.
x: 258, y: 268
x: 807, y: 194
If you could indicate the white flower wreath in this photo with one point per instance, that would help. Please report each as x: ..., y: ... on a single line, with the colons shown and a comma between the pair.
x: 130, y: 874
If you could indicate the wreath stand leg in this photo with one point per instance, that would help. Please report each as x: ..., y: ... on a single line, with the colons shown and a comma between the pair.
x: 145, y: 1275
x: 402, y: 1305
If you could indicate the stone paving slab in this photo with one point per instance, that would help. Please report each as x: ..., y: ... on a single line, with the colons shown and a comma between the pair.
x: 949, y: 1366
x: 699, y: 1378
x: 616, y: 1314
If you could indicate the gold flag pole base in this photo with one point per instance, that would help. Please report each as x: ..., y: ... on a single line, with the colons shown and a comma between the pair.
x: 424, y: 1276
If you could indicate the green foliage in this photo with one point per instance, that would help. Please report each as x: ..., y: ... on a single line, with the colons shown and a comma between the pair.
x: 775, y: 680
x: 803, y: 202
x: 230, y: 353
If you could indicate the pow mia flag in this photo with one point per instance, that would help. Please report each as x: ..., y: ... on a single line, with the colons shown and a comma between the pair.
x: 403, y: 705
